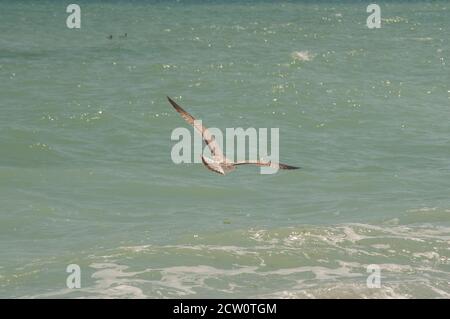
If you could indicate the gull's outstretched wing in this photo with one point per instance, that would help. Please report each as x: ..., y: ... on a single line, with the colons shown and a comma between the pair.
x: 206, y: 135
x: 271, y: 164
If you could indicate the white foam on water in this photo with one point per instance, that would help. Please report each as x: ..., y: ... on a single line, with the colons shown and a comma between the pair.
x: 290, y: 262
x: 302, y: 55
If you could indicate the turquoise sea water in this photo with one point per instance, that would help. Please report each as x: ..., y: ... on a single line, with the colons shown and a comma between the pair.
x: 85, y: 170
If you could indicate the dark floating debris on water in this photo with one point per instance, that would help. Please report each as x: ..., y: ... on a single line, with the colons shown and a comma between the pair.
x: 120, y: 36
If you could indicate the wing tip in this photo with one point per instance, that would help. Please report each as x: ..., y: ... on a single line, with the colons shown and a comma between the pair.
x: 174, y: 104
x: 284, y: 166
x: 170, y: 100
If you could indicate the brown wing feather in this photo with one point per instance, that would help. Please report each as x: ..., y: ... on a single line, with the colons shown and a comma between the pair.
x: 206, y: 135
x: 272, y: 164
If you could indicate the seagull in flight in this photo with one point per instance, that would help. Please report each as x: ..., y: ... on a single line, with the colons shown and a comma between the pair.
x: 219, y: 163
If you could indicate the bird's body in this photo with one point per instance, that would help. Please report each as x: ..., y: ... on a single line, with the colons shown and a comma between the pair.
x: 219, y: 163
x: 216, y: 166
